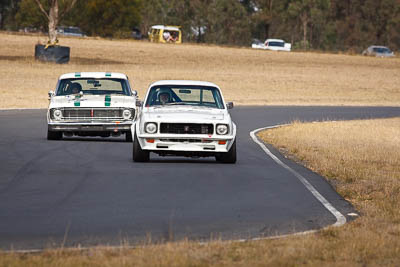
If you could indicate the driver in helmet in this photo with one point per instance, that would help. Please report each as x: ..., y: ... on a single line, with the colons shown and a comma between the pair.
x: 164, y: 97
x: 75, y: 88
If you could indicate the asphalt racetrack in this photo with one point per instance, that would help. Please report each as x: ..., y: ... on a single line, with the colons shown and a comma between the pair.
x: 87, y: 191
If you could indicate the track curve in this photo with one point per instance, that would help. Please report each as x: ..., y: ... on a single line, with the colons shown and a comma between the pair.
x: 87, y: 191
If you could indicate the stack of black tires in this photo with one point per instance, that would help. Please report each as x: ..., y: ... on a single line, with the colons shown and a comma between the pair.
x: 56, y: 53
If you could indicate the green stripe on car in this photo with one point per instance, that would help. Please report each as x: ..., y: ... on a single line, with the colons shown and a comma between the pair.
x: 107, y: 100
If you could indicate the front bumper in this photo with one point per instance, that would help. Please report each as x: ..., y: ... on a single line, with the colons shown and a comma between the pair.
x: 90, y: 127
x: 185, y: 143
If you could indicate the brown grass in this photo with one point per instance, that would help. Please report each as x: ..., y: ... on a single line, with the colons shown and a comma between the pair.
x: 247, y: 76
x: 360, y: 157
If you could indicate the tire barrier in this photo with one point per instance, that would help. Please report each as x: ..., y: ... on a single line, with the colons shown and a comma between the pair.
x: 57, y: 54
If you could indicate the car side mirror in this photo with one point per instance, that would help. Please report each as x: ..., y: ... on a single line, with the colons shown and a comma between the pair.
x: 138, y: 103
x: 134, y: 93
x: 229, y: 105
x: 51, y: 94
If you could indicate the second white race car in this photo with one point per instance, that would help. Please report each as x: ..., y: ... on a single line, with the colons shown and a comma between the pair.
x: 91, y: 104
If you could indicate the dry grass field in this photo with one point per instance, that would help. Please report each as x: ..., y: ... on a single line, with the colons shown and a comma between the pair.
x: 362, y: 160
x: 247, y: 76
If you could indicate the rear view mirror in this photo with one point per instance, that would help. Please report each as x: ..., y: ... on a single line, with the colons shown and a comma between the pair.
x: 95, y: 83
x: 229, y: 105
x: 51, y: 94
x: 134, y: 93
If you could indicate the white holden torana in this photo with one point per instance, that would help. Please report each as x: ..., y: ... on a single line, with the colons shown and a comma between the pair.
x: 91, y: 104
x: 184, y: 118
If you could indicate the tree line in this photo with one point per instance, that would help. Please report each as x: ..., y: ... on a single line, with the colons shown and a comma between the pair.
x: 334, y: 25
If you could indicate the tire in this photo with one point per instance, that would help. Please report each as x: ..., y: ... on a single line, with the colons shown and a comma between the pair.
x: 57, y: 54
x: 51, y: 135
x: 228, y: 157
x: 138, y: 154
x: 128, y: 136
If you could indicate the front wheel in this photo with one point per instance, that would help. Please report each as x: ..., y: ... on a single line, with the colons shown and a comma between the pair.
x: 228, y: 157
x: 52, y: 135
x: 138, y: 154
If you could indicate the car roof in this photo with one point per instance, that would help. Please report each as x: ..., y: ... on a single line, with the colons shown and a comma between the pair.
x: 274, y: 40
x: 68, y: 27
x: 378, y: 46
x: 96, y: 75
x: 169, y: 28
x: 183, y: 82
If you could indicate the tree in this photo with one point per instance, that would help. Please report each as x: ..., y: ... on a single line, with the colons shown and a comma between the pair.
x: 198, y: 19
x: 264, y: 14
x: 4, y: 5
x: 29, y: 15
x: 154, y: 12
x: 8, y: 9
x: 227, y: 23
x: 192, y: 16
x: 365, y: 22
x: 308, y: 12
x: 53, y: 15
x: 320, y: 24
x: 379, y: 16
x: 111, y: 17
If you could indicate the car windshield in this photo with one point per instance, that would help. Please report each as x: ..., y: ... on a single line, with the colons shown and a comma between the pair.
x: 104, y: 86
x: 382, y: 50
x: 164, y: 95
x: 280, y: 44
x: 72, y: 30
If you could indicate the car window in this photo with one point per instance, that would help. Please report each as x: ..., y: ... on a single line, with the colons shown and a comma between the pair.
x: 279, y: 44
x: 185, y: 95
x: 381, y: 50
x: 93, y: 86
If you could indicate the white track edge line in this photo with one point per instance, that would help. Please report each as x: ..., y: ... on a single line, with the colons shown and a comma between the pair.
x: 340, y: 218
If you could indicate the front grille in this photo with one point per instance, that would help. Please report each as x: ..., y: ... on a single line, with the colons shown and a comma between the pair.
x: 186, y: 128
x: 93, y: 113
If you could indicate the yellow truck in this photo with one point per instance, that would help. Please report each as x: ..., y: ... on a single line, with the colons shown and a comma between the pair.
x: 165, y: 34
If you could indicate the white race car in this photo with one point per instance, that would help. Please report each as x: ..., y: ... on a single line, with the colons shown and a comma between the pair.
x: 184, y: 118
x: 91, y: 104
x: 272, y: 44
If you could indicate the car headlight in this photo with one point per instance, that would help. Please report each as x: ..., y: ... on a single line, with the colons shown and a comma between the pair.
x: 222, y: 129
x: 57, y: 114
x: 127, y: 114
x: 150, y: 127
